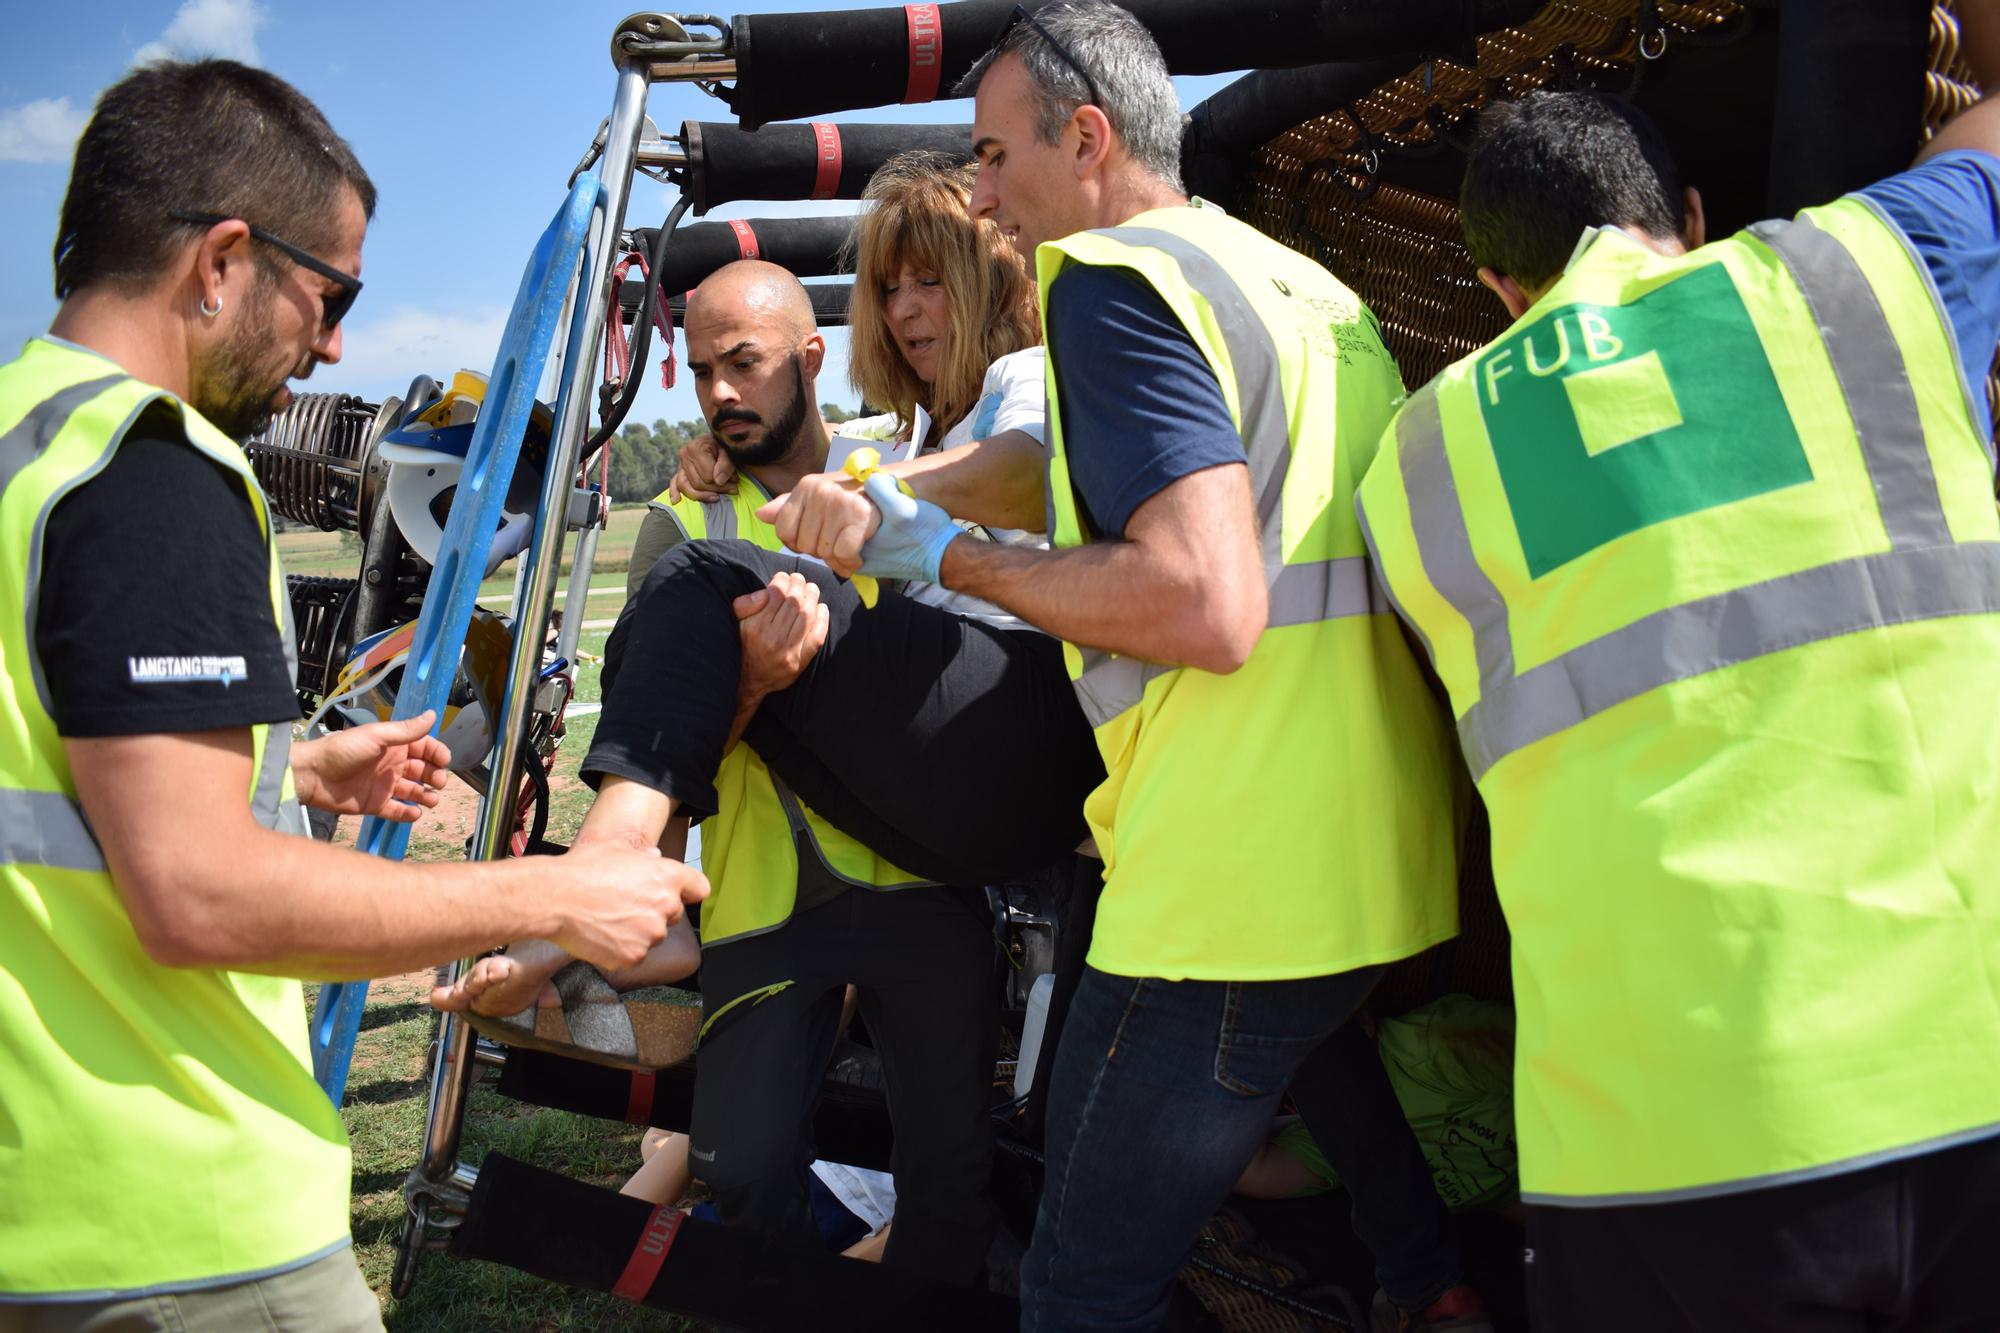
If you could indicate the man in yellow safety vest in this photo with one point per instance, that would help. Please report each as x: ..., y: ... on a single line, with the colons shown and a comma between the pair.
x: 166, y: 1160
x: 1278, y: 820
x: 1704, y: 550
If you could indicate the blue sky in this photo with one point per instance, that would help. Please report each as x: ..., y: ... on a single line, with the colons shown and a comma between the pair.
x: 468, y: 117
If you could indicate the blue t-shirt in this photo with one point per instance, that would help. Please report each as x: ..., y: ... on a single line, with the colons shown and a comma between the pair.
x: 1140, y: 405
x: 1949, y: 208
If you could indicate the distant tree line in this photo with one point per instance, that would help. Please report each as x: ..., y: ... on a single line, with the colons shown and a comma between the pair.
x: 643, y: 457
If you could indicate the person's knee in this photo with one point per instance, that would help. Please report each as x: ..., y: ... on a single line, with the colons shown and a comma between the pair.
x: 730, y: 566
x: 752, y: 1181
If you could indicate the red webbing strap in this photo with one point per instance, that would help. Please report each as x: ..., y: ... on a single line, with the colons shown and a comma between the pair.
x: 746, y: 239
x: 926, y: 52
x: 617, y: 352
x: 644, y: 1266
x: 639, y: 1098
x: 826, y: 162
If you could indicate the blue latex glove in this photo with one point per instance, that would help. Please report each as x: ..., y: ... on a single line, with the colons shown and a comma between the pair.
x: 911, y: 541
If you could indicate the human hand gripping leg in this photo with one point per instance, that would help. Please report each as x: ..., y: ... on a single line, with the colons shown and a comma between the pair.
x: 601, y: 910
x: 784, y: 626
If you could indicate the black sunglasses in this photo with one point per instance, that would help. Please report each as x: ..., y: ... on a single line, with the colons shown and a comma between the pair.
x: 1021, y: 15
x: 332, y: 308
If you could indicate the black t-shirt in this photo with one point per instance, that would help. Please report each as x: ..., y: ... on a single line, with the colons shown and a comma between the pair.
x: 154, y: 614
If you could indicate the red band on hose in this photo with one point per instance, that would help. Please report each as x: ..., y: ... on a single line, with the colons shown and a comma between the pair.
x: 826, y: 160
x: 926, y: 52
x: 639, y: 1100
x: 746, y: 239
x: 647, y: 1256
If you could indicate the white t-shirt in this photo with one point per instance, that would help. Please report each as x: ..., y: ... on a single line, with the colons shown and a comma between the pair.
x: 869, y: 1195
x: 1012, y: 397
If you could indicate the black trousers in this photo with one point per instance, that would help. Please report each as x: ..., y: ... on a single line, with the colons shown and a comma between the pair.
x: 955, y: 749
x: 922, y: 960
x: 1908, y: 1245
x: 1343, y: 1094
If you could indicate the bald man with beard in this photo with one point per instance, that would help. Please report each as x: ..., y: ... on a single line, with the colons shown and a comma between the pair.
x: 775, y: 451
x: 889, y: 761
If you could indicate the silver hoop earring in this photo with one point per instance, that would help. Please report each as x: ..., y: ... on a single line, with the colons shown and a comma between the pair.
x: 211, y: 313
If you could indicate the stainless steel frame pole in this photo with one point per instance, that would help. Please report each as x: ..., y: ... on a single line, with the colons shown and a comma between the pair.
x: 450, y: 1073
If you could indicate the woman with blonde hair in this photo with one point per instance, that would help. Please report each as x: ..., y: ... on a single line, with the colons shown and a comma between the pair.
x: 931, y: 314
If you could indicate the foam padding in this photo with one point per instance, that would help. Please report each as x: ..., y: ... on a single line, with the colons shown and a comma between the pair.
x: 810, y: 247
x: 728, y: 163
x: 663, y: 1021
x: 584, y: 1236
x: 851, y: 1125
x: 793, y: 66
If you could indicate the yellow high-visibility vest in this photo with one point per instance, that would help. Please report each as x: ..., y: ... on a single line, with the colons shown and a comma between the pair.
x: 160, y: 1129
x: 1704, y: 549
x: 1299, y: 816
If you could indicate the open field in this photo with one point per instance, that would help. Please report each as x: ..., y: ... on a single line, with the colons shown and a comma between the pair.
x: 339, y: 554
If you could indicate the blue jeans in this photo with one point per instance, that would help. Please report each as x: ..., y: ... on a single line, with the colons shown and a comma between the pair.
x: 1161, y: 1093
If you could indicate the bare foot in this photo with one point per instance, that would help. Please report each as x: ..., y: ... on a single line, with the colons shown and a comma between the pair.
x: 499, y: 985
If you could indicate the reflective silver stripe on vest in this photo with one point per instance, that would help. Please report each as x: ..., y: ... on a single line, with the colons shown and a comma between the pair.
x: 720, y: 516
x: 1109, y: 684
x: 1260, y: 393
x: 1316, y: 590
x: 1443, y: 544
x: 31, y: 435
x: 46, y: 828
x: 1978, y: 410
x: 1300, y: 594
x: 1730, y: 628
x: 267, y: 803
x: 1386, y: 593
x: 54, y: 408
x: 1925, y: 577
x: 1872, y: 374
x: 805, y: 839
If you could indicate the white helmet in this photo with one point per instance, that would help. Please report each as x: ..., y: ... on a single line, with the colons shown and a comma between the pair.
x: 426, y: 454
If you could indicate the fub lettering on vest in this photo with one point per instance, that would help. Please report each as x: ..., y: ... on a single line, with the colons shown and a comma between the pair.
x: 1608, y: 419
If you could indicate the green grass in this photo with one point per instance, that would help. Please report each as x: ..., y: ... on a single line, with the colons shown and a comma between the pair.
x: 385, y: 1114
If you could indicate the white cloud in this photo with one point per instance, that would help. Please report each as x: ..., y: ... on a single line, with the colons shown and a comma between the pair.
x: 226, y: 28
x: 382, y: 356
x: 44, y: 130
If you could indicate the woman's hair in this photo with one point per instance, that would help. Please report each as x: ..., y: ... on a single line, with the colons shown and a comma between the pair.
x: 918, y: 218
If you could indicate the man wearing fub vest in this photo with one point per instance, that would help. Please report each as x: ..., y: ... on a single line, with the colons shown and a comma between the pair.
x: 1704, y: 550
x: 166, y: 1159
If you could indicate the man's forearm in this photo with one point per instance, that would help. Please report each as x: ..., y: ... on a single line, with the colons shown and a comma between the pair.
x: 1185, y: 587
x: 996, y: 481
x: 340, y: 914
x: 1107, y: 595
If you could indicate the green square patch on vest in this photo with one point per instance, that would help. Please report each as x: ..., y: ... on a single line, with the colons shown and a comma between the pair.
x: 1608, y: 419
